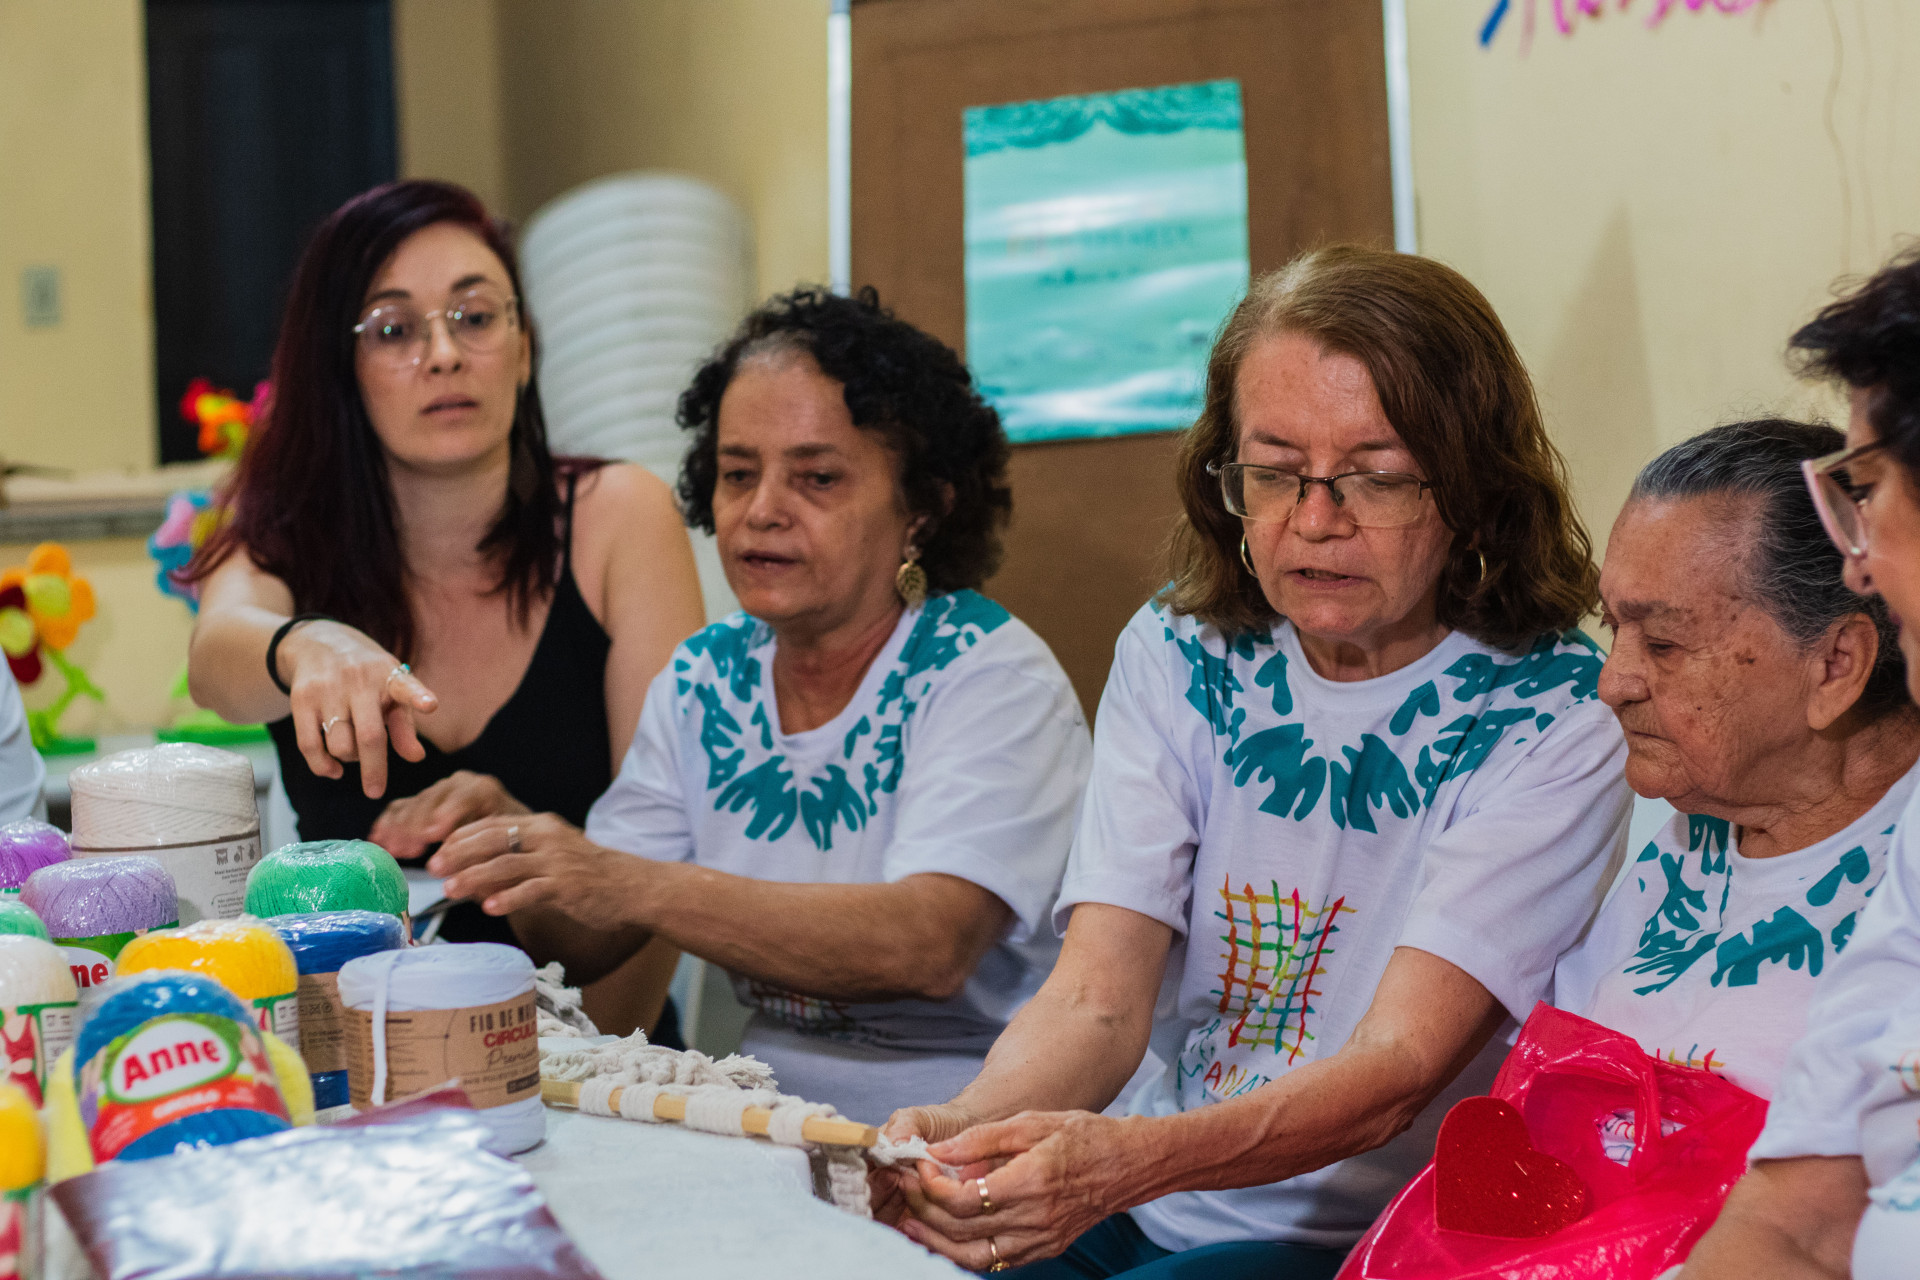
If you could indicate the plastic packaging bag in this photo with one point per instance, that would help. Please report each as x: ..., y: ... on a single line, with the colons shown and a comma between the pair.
x: 388, y: 1196
x: 1581, y: 1091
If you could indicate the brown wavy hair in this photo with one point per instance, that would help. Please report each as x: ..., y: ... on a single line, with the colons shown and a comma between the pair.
x: 1454, y: 389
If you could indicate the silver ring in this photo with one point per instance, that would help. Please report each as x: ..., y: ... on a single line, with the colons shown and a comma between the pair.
x: 404, y: 669
x: 326, y: 726
x: 513, y: 840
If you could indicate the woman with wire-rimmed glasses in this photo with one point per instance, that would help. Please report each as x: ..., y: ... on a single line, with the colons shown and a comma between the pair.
x: 1352, y: 795
x: 438, y: 618
x: 1845, y: 1118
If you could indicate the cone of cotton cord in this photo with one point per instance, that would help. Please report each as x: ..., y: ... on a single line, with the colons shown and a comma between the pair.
x: 422, y: 1016
x: 37, y: 1001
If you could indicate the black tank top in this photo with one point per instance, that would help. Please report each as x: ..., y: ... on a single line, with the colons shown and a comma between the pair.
x: 547, y: 744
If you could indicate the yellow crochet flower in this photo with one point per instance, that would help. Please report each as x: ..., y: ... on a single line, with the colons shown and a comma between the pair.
x: 57, y: 599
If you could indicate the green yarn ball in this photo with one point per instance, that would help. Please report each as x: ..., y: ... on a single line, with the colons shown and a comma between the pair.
x: 326, y: 875
x: 17, y: 917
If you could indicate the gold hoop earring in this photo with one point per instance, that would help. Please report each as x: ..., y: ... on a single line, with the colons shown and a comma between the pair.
x: 1481, y: 556
x: 1246, y: 559
x: 910, y: 580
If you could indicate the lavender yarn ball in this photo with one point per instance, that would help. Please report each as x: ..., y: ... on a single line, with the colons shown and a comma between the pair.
x: 27, y: 846
x: 92, y: 897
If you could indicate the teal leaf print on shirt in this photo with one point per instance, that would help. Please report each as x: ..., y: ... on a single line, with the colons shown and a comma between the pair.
x: 768, y: 789
x: 1363, y: 781
x: 1854, y: 866
x: 1787, y: 937
x: 873, y: 750
x: 729, y: 645
x: 1279, y: 755
x: 1542, y: 669
x: 834, y: 799
x: 1373, y: 776
x: 1424, y: 701
x: 717, y: 727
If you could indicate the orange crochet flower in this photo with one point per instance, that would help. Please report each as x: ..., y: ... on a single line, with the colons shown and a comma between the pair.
x: 56, y: 599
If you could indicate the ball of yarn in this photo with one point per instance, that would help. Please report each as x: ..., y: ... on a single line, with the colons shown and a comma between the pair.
x: 244, y: 956
x: 93, y: 897
x: 18, y: 917
x: 323, y: 941
x: 32, y: 971
x: 175, y: 793
x: 27, y: 846
x: 326, y: 875
x: 23, y: 1157
x: 128, y: 1002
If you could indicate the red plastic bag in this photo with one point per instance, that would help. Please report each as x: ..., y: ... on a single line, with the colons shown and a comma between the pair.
x: 1567, y: 1076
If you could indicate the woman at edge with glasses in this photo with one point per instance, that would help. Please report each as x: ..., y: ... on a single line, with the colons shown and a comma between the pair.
x: 437, y: 618
x: 1351, y: 783
x: 1843, y: 1116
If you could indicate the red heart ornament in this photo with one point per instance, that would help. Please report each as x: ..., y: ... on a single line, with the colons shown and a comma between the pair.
x: 1490, y: 1180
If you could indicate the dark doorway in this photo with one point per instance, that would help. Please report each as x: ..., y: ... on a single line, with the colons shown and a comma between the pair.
x: 264, y: 116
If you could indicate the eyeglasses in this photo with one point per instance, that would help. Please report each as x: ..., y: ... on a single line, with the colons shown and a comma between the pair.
x: 1371, y: 499
x: 1840, y: 494
x: 397, y: 334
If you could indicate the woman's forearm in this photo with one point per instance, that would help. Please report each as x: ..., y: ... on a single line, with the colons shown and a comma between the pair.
x: 918, y: 937
x: 226, y: 663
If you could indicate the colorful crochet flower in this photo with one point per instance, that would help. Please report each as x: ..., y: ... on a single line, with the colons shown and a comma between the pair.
x: 54, y: 600
x: 223, y: 418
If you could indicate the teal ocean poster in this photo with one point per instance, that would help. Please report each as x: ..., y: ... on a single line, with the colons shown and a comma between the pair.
x: 1106, y: 240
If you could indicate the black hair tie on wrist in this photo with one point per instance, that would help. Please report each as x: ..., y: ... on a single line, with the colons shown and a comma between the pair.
x: 273, y: 647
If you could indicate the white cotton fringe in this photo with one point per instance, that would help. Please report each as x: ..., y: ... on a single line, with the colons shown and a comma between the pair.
x: 718, y: 1095
x: 150, y: 797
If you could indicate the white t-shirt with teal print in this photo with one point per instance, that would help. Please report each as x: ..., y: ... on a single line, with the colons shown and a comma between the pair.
x: 963, y: 752
x: 1294, y: 830
x: 1709, y: 958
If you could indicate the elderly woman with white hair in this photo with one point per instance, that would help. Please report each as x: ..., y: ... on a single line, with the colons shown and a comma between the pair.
x: 1768, y: 703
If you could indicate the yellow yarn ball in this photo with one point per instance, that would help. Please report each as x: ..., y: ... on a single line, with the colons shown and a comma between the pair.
x: 244, y: 956
x: 23, y: 1156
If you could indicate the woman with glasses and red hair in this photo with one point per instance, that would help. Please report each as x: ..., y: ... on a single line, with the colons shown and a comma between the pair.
x: 438, y: 619
x: 1353, y: 793
x: 1843, y: 1128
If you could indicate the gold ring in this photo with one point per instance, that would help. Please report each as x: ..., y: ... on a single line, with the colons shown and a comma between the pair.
x: 999, y: 1263
x: 986, y: 1201
x: 513, y: 839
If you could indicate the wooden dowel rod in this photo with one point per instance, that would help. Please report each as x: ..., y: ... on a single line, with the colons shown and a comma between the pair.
x: 668, y: 1106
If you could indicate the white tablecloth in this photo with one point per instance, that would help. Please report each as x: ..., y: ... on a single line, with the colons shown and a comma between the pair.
x: 647, y: 1200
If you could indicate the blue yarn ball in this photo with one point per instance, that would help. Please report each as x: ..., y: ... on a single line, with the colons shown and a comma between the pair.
x: 129, y: 1002
x: 322, y: 941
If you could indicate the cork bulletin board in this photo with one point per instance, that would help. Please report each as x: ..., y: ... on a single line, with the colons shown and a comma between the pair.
x: 1090, y: 516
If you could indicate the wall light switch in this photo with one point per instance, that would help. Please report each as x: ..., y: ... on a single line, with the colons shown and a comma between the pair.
x: 40, y: 296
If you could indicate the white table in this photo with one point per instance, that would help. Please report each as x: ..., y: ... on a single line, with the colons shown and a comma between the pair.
x: 658, y: 1199
x: 651, y: 1200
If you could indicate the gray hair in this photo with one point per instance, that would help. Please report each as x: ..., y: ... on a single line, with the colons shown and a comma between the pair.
x: 1791, y: 565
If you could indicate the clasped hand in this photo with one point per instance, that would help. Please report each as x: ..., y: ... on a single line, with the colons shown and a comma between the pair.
x: 1050, y: 1175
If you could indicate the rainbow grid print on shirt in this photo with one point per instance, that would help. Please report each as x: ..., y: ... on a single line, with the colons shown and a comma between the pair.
x: 1273, y: 950
x: 802, y: 1013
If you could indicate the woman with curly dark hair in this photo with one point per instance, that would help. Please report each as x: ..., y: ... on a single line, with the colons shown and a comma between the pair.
x: 857, y: 794
x: 1351, y: 783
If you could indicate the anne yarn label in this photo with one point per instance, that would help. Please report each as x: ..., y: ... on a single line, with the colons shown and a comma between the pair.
x: 211, y: 878
x: 493, y: 1050
x: 19, y: 1238
x: 323, y: 1034
x: 91, y: 959
x: 31, y: 1037
x: 280, y: 1015
x: 169, y: 1068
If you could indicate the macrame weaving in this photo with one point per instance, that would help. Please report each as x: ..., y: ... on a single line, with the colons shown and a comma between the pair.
x: 718, y: 1095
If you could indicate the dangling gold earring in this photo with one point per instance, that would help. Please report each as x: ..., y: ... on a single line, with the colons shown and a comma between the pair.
x: 1246, y: 559
x: 910, y: 580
